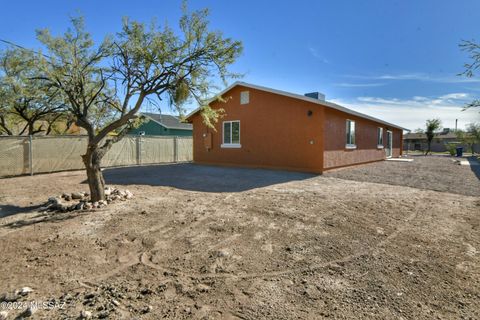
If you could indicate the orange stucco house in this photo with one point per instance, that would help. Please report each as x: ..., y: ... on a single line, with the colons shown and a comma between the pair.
x: 268, y: 128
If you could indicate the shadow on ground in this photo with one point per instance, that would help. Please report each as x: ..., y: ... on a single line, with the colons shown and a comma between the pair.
x: 41, y: 218
x: 475, y: 166
x: 203, y: 178
x: 9, y: 210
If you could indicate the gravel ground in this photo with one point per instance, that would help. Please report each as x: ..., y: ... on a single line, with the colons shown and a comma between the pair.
x: 274, y: 246
x: 438, y: 173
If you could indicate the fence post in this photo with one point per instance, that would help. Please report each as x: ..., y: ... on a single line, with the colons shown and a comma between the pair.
x: 139, y: 150
x: 30, y: 154
x: 175, y: 149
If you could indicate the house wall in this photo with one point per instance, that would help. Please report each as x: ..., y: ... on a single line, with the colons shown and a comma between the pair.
x: 336, y: 155
x: 152, y: 128
x: 275, y: 132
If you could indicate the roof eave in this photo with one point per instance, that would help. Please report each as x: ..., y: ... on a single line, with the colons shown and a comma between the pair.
x: 163, y: 125
x: 299, y: 97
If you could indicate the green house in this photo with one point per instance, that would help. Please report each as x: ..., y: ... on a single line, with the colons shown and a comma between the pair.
x: 162, y: 125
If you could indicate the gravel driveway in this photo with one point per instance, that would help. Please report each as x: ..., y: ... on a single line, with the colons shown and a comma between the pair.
x: 437, y: 173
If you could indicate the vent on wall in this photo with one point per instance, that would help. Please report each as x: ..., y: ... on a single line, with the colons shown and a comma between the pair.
x: 244, y: 97
x: 316, y: 95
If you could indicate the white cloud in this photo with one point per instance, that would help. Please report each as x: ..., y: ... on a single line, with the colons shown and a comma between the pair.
x: 413, y: 112
x: 359, y: 85
x: 455, y: 96
x: 416, y: 77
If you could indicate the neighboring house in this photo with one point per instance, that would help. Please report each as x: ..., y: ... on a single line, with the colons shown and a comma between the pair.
x: 58, y: 128
x: 418, y: 141
x: 162, y: 125
x: 264, y: 127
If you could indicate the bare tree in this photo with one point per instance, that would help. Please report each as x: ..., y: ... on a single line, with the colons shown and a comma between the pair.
x: 106, y: 85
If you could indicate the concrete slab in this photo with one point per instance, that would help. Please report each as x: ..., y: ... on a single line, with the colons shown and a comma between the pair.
x: 400, y: 159
x: 468, y: 163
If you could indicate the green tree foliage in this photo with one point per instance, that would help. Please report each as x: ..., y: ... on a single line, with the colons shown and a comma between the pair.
x: 105, y: 85
x: 431, y: 127
x: 471, y: 136
x: 25, y: 104
x: 473, y: 50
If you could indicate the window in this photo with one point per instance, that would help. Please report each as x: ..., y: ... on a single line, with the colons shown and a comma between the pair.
x: 244, y: 97
x: 350, y: 135
x: 379, y: 137
x: 231, y: 134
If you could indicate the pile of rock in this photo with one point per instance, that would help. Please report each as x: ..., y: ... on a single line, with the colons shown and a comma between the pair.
x: 81, y: 200
x: 14, y: 297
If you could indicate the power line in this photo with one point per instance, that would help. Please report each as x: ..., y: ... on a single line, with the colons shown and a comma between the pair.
x: 22, y: 48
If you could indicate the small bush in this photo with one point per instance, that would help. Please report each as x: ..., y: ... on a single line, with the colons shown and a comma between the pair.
x: 452, y: 148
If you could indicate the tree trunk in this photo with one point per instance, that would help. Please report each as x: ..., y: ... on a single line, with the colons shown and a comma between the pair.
x: 96, y: 183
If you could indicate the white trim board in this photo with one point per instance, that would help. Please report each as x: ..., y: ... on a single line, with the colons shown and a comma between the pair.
x: 399, y: 159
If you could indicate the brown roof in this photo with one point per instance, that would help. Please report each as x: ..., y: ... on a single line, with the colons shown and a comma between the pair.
x: 299, y: 97
x: 168, y: 121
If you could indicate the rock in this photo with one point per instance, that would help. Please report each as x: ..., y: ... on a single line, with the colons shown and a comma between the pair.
x: 102, y: 203
x: 128, y: 194
x: 103, y: 314
x: 95, y: 204
x: 147, y: 309
x: 27, y: 313
x: 84, y: 314
x: 88, y: 206
x: 53, y: 200
x: 146, y: 291
x: 3, y: 315
x: 77, y: 195
x: 222, y: 253
x: 9, y: 297
x: 108, y: 191
x: 79, y: 206
x: 90, y: 295
x: 203, y: 288
x: 25, y: 290
x: 56, y: 204
x: 115, y: 302
x: 66, y: 196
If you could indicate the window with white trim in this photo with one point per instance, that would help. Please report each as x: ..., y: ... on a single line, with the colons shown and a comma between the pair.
x: 244, y: 97
x: 350, y: 132
x: 231, y: 134
x: 380, y: 137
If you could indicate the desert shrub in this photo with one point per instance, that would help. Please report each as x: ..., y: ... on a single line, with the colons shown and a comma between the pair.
x: 451, y: 147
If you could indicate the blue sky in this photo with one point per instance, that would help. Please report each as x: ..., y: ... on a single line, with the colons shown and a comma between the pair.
x: 396, y: 60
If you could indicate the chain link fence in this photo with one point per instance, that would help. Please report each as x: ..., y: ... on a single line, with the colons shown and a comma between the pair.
x: 20, y: 155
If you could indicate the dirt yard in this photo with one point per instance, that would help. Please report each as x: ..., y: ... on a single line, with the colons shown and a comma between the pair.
x: 221, y: 243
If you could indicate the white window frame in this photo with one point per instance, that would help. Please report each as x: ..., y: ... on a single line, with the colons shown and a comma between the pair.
x: 244, y: 97
x: 347, y: 144
x: 230, y: 145
x: 380, y: 144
